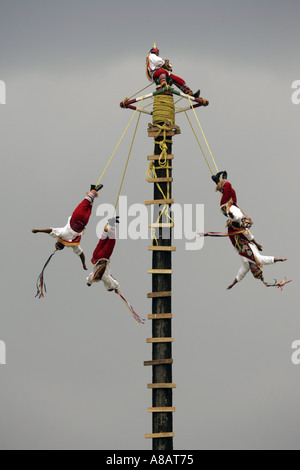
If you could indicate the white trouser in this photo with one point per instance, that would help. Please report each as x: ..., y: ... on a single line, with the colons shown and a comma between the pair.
x: 109, y: 282
x: 245, y: 268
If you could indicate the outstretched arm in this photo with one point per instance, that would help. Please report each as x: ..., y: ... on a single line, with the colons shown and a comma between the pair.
x: 259, y: 247
x: 82, y: 257
x: 43, y: 230
x: 233, y: 284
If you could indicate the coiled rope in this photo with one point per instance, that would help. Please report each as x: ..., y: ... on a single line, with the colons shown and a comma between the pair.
x: 163, y: 109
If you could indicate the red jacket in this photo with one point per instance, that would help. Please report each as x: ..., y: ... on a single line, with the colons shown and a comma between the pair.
x: 228, y: 193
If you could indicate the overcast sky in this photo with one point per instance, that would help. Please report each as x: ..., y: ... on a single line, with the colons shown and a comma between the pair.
x: 74, y: 377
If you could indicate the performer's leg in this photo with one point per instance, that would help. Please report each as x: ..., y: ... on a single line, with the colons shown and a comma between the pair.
x: 245, y: 268
x: 180, y: 83
x: 81, y: 215
x: 264, y: 260
x: 161, y: 75
x: 177, y: 80
x: 104, y: 249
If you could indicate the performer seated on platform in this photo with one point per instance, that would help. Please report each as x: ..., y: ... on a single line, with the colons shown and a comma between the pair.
x: 249, y: 250
x: 159, y: 70
x: 70, y: 235
x: 101, y: 258
x: 228, y: 202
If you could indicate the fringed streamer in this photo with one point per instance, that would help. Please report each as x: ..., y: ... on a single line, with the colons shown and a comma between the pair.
x: 220, y: 234
x: 279, y: 285
x: 41, y: 285
x: 137, y: 318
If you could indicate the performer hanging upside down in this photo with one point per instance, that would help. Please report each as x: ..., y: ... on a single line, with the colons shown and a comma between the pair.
x: 70, y: 235
x: 252, y: 260
x: 101, y: 258
x: 101, y: 265
x: 229, y: 206
x: 159, y: 70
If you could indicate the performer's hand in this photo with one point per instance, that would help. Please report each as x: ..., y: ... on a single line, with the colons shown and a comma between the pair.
x: 85, y: 268
x: 34, y: 230
x: 259, y: 247
x: 232, y: 285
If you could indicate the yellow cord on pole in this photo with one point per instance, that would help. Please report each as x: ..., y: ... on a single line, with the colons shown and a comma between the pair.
x: 203, y: 134
x: 109, y: 161
x: 126, y: 166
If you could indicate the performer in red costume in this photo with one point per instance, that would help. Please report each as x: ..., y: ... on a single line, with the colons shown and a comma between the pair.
x: 229, y: 206
x: 101, y: 258
x: 159, y: 70
x: 71, y: 234
x: 252, y: 259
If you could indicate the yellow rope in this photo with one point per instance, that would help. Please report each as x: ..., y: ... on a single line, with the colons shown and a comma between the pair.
x: 163, y: 165
x: 203, y: 134
x: 138, y: 92
x: 126, y: 166
x: 109, y: 161
x: 163, y: 109
x: 199, y: 143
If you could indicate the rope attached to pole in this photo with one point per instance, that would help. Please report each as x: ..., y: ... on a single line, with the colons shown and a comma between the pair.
x: 119, y: 143
x: 127, y: 162
x: 212, y: 157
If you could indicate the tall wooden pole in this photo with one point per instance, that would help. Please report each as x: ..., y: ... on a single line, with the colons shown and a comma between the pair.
x: 162, y: 379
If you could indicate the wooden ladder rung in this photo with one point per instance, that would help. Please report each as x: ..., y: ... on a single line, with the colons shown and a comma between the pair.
x: 159, y: 435
x: 159, y: 202
x: 160, y: 271
x: 160, y: 340
x: 160, y: 316
x: 155, y: 295
x: 160, y: 180
x: 161, y: 248
x: 162, y: 409
x: 158, y: 362
x: 162, y: 225
x: 158, y: 157
x: 159, y: 385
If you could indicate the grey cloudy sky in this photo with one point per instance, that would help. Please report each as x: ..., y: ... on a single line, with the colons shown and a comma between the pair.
x: 74, y: 376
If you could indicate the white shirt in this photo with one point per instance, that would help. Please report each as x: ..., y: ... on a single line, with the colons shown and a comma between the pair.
x: 67, y: 234
x: 155, y: 62
x: 109, y: 282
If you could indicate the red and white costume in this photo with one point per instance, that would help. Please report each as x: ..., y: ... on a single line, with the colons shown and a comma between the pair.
x: 228, y: 203
x: 103, y: 253
x: 157, y: 72
x: 70, y: 235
